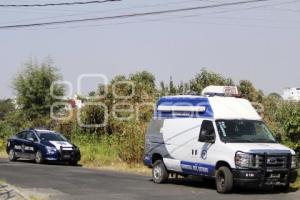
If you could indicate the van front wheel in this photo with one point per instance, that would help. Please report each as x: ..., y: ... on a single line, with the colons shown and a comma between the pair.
x: 224, y: 180
x: 159, y: 172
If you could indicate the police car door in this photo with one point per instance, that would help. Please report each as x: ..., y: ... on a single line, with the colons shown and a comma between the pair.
x: 17, y: 143
x: 201, y: 150
x: 29, y: 144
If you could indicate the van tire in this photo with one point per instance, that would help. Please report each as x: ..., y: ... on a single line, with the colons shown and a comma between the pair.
x: 224, y: 180
x: 284, y: 188
x: 159, y: 172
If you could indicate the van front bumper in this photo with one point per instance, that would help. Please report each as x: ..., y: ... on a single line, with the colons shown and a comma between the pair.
x: 274, y: 177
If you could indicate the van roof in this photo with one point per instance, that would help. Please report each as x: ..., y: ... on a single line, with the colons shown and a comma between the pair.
x: 205, y: 107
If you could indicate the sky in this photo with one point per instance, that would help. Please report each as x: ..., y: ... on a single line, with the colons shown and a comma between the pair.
x: 259, y: 42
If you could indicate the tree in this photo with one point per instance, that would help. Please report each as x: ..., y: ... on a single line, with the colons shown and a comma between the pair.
x: 249, y: 92
x: 144, y: 83
x: 32, y: 87
x: 6, y: 106
x: 288, y: 115
x: 275, y: 95
x: 206, y: 78
x: 172, y: 87
x: 92, y: 94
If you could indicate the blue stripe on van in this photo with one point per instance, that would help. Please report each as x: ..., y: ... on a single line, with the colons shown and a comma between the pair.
x: 184, y: 101
x: 197, y: 168
x: 147, y: 161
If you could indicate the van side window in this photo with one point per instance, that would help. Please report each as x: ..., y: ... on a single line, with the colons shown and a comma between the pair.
x: 208, y: 127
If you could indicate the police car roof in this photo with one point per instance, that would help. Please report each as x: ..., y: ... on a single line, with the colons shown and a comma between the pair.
x: 217, y: 107
x: 42, y: 130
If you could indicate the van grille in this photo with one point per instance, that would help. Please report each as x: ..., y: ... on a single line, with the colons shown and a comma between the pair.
x: 271, y: 161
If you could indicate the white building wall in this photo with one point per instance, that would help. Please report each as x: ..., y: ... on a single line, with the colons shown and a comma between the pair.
x: 291, y: 94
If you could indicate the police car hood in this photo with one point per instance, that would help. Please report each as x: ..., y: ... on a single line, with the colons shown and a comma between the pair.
x: 268, y: 148
x: 58, y: 144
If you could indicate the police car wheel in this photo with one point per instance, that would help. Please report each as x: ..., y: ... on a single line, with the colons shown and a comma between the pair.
x: 12, y: 155
x: 39, y: 157
x: 224, y: 180
x: 159, y: 172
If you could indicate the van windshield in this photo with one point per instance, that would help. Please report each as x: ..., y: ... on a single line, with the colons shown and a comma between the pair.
x: 250, y: 131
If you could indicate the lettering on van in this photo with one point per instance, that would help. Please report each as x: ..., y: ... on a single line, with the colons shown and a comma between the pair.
x: 196, y: 168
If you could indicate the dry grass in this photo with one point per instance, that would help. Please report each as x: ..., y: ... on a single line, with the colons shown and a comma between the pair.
x: 123, y: 167
x: 297, y: 183
x: 3, y: 154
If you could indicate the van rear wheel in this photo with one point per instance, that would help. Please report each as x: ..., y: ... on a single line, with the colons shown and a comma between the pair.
x: 159, y: 172
x: 224, y: 180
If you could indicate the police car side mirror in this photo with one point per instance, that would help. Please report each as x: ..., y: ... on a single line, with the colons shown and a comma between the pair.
x: 31, y: 139
x: 206, y: 137
x: 278, y: 137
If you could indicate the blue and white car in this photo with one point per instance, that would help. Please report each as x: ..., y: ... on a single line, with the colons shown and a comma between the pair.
x: 42, y: 145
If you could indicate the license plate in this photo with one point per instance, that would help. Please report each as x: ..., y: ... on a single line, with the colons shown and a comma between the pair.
x: 275, y: 176
x: 67, y: 156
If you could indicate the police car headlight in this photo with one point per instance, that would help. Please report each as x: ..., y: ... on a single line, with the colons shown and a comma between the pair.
x: 294, y: 162
x: 50, y: 150
x: 243, y: 160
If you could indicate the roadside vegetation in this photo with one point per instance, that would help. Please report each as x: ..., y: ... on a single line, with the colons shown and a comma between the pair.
x: 120, y: 144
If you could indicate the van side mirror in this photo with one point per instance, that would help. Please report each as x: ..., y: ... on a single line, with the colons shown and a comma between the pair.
x: 278, y: 137
x: 206, y: 136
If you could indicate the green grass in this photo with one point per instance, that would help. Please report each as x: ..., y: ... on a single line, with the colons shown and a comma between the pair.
x: 3, y: 153
x: 103, y: 153
x: 95, y: 151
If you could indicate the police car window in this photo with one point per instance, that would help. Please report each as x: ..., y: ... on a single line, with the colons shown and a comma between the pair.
x: 52, y: 137
x: 21, y: 135
x: 30, y: 135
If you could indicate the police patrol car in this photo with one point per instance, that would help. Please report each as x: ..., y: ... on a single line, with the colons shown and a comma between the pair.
x: 42, y: 145
x: 216, y: 136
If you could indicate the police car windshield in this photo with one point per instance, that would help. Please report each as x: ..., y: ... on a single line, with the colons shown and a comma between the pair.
x: 51, y: 137
x: 244, y: 131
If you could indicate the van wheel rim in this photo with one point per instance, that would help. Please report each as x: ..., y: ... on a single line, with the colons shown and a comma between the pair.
x: 221, y: 179
x: 157, y: 172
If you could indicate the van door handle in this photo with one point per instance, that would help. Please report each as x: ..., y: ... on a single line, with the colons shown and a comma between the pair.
x: 194, y: 152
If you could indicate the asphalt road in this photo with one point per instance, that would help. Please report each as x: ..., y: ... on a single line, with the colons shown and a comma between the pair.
x: 67, y: 182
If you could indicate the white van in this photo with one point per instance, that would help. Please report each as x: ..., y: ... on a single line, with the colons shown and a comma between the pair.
x: 219, y: 137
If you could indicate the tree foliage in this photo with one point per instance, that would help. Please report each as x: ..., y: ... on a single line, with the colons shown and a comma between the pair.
x: 206, y: 78
x: 32, y: 87
x: 248, y: 91
x: 6, y: 106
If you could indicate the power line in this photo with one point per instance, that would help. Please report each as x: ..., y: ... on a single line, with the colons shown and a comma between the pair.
x: 131, y: 15
x: 56, y: 4
x: 103, y: 11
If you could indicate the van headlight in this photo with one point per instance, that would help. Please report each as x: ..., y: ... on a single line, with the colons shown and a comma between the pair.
x: 294, y: 162
x: 244, y: 160
x: 50, y: 150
